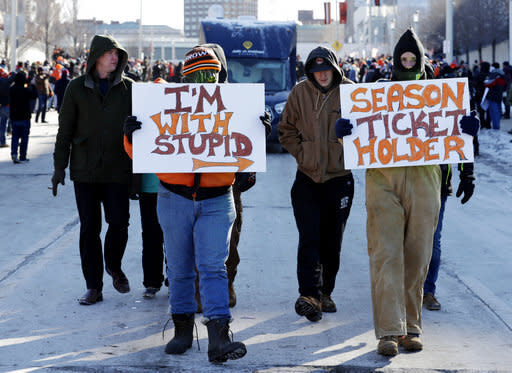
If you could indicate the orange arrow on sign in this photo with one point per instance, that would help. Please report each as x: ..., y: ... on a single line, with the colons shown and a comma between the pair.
x: 241, y: 163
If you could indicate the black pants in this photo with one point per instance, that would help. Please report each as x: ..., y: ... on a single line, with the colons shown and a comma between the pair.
x: 321, y: 211
x: 152, y: 241
x: 89, y: 198
x: 234, y: 259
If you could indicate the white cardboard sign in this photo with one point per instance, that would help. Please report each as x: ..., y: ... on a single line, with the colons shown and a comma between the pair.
x: 407, y: 123
x: 198, y: 128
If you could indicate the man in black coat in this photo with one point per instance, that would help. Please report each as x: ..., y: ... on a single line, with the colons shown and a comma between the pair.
x: 20, y: 95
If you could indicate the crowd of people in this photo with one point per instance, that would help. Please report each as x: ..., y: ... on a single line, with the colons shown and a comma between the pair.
x: 191, y: 222
x: 490, y: 83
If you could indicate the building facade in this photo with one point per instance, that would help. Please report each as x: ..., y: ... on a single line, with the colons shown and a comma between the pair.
x: 196, y: 10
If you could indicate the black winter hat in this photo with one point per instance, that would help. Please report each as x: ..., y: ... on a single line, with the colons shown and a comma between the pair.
x: 409, y: 42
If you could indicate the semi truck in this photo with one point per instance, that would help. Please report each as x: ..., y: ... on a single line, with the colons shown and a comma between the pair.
x: 258, y: 52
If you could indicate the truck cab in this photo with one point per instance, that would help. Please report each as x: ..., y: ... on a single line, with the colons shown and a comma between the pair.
x: 258, y: 52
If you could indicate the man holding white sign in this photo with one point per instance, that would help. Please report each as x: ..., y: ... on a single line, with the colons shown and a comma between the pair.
x: 406, y: 123
x: 195, y: 156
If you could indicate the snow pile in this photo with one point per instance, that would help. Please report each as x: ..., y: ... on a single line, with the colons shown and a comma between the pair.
x: 495, y: 149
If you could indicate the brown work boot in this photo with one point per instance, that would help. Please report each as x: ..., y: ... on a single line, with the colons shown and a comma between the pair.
x: 411, y: 342
x: 388, y: 345
x: 430, y: 302
x: 232, y: 295
x: 328, y: 304
x: 310, y: 307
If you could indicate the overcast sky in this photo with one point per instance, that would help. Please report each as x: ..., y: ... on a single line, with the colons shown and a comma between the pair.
x: 170, y: 12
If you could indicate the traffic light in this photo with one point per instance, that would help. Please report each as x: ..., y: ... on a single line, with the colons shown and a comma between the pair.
x: 377, y: 2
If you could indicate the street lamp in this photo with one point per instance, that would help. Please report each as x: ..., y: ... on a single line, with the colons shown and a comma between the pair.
x: 392, y: 27
x: 416, y: 19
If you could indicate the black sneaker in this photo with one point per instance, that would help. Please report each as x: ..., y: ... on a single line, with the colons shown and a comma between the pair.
x: 15, y: 159
x: 24, y: 160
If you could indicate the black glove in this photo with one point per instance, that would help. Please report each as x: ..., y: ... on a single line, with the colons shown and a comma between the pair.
x: 58, y: 178
x: 343, y: 128
x: 245, y: 180
x: 470, y: 124
x: 265, y: 120
x: 131, y: 124
x: 466, y: 184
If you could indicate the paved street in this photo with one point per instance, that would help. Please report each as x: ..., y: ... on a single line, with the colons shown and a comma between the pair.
x: 44, y: 329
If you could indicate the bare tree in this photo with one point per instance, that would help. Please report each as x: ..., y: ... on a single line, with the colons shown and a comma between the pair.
x: 78, y: 31
x: 46, y: 25
x: 478, y: 23
x: 5, y: 8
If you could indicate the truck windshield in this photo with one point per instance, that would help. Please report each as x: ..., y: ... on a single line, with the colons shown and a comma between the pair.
x: 270, y: 72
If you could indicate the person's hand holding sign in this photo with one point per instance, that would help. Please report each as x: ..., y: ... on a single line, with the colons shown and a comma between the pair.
x: 343, y: 128
x: 470, y: 124
x: 131, y: 124
x: 265, y: 120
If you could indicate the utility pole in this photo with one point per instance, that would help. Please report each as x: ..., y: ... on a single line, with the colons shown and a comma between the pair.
x: 13, y: 36
x: 139, y: 50
x: 510, y: 31
x: 370, y: 28
x: 449, y: 31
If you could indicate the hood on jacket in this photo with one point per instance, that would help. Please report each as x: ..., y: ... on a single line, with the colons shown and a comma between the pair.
x: 330, y: 57
x: 409, y: 42
x: 20, y: 78
x: 101, y: 44
x: 485, y: 67
x: 219, y: 53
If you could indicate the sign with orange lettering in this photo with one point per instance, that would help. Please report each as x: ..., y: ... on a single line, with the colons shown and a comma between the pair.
x: 199, y: 128
x: 408, y: 123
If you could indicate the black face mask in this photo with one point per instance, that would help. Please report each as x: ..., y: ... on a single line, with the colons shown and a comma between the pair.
x: 406, y: 75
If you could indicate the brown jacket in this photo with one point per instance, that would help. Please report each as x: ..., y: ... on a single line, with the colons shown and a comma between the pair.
x: 43, y: 85
x: 306, y: 130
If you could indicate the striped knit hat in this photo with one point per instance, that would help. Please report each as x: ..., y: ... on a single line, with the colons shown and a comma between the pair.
x: 200, y: 58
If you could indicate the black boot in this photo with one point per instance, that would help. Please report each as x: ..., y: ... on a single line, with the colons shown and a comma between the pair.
x: 220, y: 347
x: 183, y: 333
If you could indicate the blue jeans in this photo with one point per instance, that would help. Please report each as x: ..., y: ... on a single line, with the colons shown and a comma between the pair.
x: 495, y: 114
x: 20, y: 132
x: 433, y: 269
x: 4, y: 115
x: 197, y: 234
x: 41, y: 107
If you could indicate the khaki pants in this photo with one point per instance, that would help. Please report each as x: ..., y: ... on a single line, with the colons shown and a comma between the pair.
x: 402, y: 204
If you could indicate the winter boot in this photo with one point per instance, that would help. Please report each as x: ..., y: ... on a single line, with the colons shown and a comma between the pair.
x: 411, y: 342
x: 388, y: 346
x: 220, y: 347
x: 310, y: 307
x: 183, y: 333
x: 328, y: 304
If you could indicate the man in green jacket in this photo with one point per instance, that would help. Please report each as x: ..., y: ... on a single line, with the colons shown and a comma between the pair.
x: 90, y: 141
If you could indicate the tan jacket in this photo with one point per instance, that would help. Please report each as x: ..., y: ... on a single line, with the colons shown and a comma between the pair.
x: 306, y: 131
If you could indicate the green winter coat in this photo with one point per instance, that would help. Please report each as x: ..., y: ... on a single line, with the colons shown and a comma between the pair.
x: 90, y: 135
